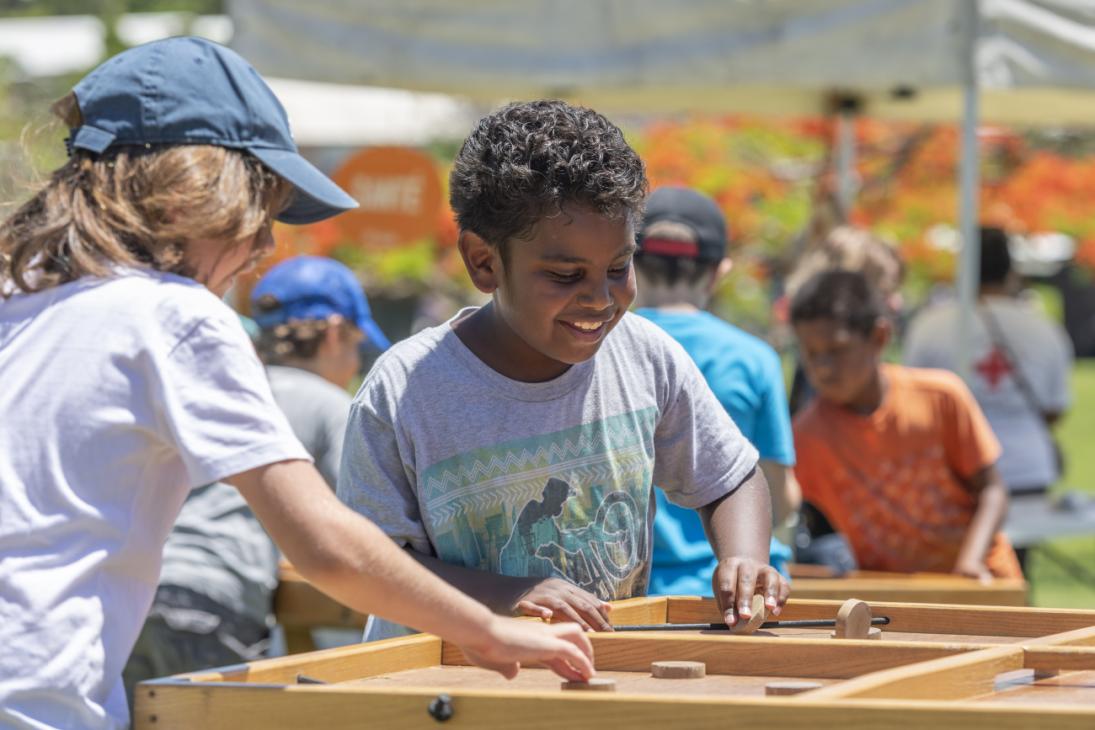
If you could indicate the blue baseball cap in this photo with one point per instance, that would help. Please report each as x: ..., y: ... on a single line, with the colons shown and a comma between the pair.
x: 313, y: 287
x: 193, y: 91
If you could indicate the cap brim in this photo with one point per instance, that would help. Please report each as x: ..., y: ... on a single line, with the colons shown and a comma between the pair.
x: 373, y: 336
x: 316, y: 196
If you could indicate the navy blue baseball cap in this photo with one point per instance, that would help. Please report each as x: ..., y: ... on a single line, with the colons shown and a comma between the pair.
x: 193, y: 91
x: 700, y: 227
x: 313, y: 287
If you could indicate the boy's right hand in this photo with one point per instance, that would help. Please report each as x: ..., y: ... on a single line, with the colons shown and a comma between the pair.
x: 507, y: 642
x: 555, y: 599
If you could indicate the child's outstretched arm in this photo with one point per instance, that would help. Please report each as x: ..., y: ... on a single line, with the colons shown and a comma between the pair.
x: 350, y: 559
x: 547, y: 598
x: 992, y: 506
x: 738, y: 527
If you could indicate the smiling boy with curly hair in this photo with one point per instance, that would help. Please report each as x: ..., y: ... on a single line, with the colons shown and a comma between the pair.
x: 512, y: 450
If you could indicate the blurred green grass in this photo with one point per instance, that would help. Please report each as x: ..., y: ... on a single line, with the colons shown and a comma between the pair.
x: 1051, y: 584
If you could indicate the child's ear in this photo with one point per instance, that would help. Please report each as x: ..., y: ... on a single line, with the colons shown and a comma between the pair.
x: 333, y: 333
x: 481, y: 260
x: 880, y: 335
x: 720, y: 273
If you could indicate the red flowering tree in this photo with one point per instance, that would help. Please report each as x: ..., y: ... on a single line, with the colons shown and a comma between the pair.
x: 771, y: 177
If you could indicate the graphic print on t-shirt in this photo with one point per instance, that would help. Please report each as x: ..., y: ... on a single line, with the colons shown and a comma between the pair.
x: 572, y: 504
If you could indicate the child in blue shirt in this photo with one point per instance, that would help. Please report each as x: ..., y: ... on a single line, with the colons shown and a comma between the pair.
x: 681, y: 258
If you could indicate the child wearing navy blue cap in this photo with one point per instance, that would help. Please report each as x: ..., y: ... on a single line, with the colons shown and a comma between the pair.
x: 128, y: 382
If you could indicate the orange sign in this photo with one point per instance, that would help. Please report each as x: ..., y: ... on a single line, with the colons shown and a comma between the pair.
x: 399, y: 191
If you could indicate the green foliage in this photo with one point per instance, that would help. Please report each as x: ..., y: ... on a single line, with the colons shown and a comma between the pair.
x: 389, y: 269
x: 1051, y: 585
x: 743, y: 298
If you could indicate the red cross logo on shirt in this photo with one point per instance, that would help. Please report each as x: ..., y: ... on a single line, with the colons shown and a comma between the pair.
x: 994, y: 367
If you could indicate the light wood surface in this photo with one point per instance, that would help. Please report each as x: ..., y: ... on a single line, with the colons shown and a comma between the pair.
x: 237, y: 707
x: 992, y: 660
x: 541, y: 680
x: 300, y: 607
x: 950, y: 678
x: 972, y: 674
x: 1069, y: 688
x: 818, y: 582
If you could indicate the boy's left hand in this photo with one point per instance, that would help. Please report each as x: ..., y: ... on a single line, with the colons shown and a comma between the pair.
x: 737, y: 579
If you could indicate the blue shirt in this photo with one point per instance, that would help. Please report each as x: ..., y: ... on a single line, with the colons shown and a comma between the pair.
x: 745, y: 375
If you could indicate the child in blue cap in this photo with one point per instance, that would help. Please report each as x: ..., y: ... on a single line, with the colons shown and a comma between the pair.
x: 315, y: 329
x: 127, y: 382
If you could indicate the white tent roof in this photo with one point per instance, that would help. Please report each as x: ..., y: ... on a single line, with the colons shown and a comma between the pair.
x: 350, y: 116
x: 320, y: 113
x: 33, y: 44
x: 765, y: 56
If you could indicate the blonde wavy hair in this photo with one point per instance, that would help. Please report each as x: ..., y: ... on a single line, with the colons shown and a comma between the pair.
x: 134, y: 206
x: 852, y: 249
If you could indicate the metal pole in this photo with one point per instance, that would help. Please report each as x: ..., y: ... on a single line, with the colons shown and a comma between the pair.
x: 969, y: 182
x: 845, y: 159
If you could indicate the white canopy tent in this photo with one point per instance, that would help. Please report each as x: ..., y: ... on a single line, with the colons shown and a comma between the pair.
x: 1008, y: 61
x: 904, y: 58
x: 322, y: 114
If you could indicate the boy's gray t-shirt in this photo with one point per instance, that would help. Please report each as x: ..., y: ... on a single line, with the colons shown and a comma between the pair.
x: 545, y: 479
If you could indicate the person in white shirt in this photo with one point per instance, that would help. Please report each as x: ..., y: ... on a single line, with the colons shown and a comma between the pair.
x: 1021, y: 361
x: 127, y: 382
x: 214, y: 603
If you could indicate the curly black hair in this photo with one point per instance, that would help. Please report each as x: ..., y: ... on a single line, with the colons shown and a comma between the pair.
x: 527, y: 160
x: 841, y: 296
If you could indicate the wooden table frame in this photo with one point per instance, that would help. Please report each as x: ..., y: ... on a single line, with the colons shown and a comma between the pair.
x: 886, y: 683
x: 300, y: 607
x: 809, y: 581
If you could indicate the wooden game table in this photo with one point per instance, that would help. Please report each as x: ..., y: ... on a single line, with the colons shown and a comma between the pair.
x: 300, y: 607
x: 814, y: 581
x: 935, y: 665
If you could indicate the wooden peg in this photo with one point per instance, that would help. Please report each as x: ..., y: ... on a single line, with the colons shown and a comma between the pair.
x: 789, y: 688
x: 874, y: 633
x: 853, y: 620
x: 678, y: 670
x: 597, y: 684
x: 760, y: 615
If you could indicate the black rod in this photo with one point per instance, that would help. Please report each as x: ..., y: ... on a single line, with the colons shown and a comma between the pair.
x: 812, y: 623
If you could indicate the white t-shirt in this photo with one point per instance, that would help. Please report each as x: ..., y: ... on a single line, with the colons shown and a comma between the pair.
x: 118, y: 396
x: 1042, y: 352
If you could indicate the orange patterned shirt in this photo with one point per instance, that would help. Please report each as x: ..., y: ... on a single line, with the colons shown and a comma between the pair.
x: 892, y: 481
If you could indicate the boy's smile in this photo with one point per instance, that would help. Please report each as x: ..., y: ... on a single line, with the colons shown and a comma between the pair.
x: 557, y: 294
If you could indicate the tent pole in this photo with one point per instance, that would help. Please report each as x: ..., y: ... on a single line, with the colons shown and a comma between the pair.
x: 845, y: 160
x: 969, y: 185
